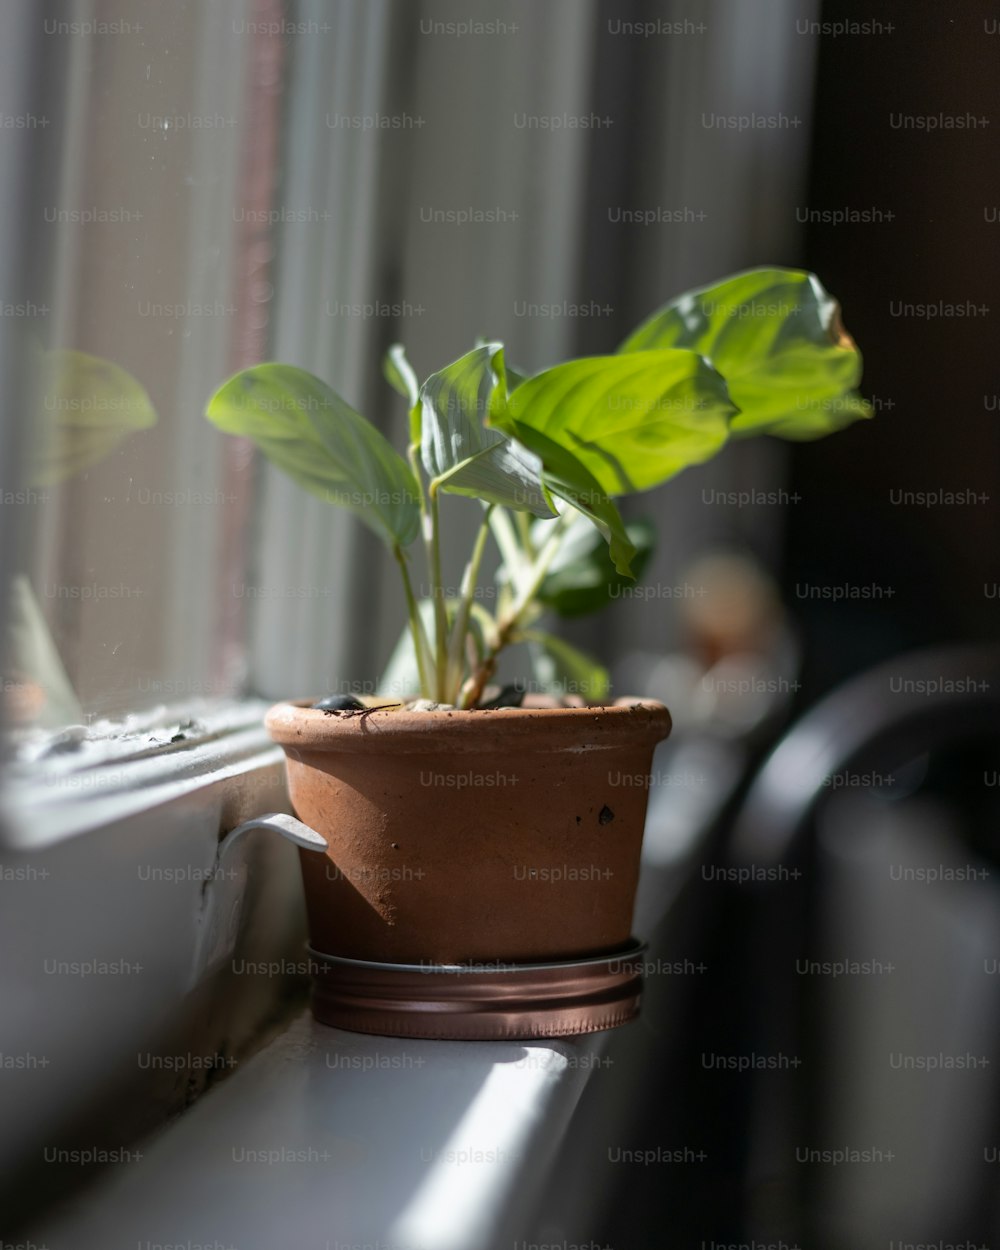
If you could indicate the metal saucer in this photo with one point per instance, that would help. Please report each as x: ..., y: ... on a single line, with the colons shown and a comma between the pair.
x: 478, y: 1001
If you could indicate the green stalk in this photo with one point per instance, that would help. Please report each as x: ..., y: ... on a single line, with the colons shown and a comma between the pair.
x: 540, y: 567
x: 433, y: 540
x: 470, y: 579
x: 511, y: 619
x: 432, y: 546
x: 421, y: 645
x: 524, y: 532
x: 413, y: 455
x: 513, y: 555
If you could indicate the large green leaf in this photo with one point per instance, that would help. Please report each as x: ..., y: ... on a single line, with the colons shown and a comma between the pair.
x: 305, y: 428
x: 562, y: 668
x: 582, y: 577
x: 634, y: 421
x: 89, y: 405
x: 776, y: 337
x: 458, y: 446
x: 566, y: 476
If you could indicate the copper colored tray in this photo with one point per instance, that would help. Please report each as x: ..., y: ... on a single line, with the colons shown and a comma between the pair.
x: 481, y: 1002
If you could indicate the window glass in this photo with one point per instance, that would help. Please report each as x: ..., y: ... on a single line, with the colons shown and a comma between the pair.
x: 147, y: 195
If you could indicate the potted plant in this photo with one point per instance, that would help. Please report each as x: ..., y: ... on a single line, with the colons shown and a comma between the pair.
x: 471, y: 832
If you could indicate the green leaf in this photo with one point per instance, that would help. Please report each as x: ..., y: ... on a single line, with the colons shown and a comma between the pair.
x: 399, y: 373
x: 816, y: 417
x: 563, y: 669
x: 305, y: 428
x: 582, y: 577
x: 32, y: 659
x: 461, y: 450
x: 634, y: 421
x: 514, y: 376
x: 90, y: 405
x: 776, y: 337
x: 567, y: 477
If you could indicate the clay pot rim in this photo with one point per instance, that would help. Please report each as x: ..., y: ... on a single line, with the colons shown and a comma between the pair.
x: 297, y: 724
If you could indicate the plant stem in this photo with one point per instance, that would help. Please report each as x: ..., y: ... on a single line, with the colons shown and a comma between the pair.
x: 425, y: 656
x: 508, y: 624
x: 413, y: 455
x: 456, y: 647
x: 524, y: 532
x: 514, y: 557
x: 432, y: 546
x: 421, y: 646
x: 433, y: 539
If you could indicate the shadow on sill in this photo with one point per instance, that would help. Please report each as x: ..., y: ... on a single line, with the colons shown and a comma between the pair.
x: 217, y: 1029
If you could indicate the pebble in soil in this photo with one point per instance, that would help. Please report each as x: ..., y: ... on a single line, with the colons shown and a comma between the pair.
x: 509, y: 696
x: 339, y: 703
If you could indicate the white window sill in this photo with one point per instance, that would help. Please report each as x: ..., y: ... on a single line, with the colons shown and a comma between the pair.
x: 122, y: 912
x: 62, y: 784
x: 329, y: 1139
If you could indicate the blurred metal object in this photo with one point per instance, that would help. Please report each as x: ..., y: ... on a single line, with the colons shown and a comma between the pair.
x: 943, y: 695
x: 902, y: 711
x: 478, y: 1001
x: 222, y: 914
x: 278, y: 822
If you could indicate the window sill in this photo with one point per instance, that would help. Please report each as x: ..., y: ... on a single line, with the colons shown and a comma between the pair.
x: 330, y: 1139
x: 60, y: 785
x: 122, y: 942
x: 327, y: 1138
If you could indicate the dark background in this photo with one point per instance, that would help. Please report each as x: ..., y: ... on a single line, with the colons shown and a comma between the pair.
x: 930, y: 379
x: 938, y: 375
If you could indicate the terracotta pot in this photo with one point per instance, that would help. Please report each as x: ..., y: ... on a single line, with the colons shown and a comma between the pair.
x: 456, y: 837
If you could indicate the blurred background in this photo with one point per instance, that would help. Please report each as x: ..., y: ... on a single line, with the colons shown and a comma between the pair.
x: 190, y: 188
